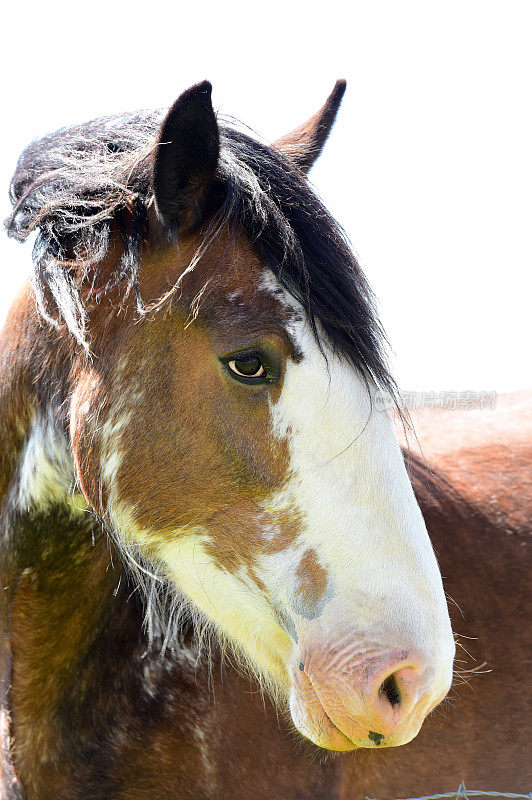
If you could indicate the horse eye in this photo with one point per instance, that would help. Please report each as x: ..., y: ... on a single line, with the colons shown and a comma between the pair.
x: 247, y: 366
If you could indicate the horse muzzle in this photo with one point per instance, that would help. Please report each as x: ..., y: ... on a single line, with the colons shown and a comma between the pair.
x: 350, y: 699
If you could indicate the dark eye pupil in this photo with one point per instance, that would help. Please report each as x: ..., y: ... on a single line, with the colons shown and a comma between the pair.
x: 248, y: 365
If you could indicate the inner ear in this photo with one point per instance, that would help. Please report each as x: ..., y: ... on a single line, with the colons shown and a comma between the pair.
x: 304, y: 144
x: 185, y: 159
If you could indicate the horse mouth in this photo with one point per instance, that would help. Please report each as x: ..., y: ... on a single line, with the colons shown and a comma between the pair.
x: 312, y: 719
x: 316, y: 725
x: 332, y: 727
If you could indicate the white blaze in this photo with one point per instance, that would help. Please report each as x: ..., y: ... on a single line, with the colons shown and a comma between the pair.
x: 349, y: 482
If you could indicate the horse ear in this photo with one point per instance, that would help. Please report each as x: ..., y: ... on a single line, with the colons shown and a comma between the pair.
x: 185, y: 158
x: 304, y: 144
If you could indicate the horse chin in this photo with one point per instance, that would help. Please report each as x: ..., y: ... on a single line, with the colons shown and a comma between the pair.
x: 313, y: 722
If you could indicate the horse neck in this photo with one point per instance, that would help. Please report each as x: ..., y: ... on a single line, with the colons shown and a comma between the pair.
x: 36, y: 468
x: 63, y: 591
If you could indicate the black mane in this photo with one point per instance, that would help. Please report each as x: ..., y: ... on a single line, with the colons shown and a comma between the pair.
x: 71, y: 186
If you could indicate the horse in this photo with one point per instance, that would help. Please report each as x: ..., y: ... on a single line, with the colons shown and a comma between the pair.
x: 218, y: 580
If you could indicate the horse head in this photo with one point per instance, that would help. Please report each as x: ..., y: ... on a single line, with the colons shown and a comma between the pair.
x: 225, y: 425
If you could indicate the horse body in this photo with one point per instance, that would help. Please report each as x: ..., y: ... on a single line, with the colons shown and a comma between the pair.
x: 108, y: 688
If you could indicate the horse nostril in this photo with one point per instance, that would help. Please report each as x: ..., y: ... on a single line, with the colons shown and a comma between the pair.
x: 390, y: 690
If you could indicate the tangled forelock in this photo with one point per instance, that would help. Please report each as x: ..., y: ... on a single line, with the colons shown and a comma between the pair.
x: 71, y: 187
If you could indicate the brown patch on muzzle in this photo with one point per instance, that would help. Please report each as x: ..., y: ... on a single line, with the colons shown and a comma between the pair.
x: 314, y: 587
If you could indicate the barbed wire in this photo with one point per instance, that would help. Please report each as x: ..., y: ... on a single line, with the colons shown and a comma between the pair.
x: 464, y: 794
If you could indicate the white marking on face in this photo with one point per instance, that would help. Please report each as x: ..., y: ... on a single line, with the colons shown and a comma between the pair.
x: 229, y: 601
x: 349, y: 483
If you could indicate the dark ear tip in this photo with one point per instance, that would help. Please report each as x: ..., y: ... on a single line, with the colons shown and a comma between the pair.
x: 304, y: 144
x: 195, y: 92
x: 339, y: 89
x: 205, y: 87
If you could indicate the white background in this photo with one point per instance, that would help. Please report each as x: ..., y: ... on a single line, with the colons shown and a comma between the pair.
x: 429, y: 168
